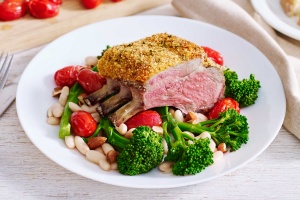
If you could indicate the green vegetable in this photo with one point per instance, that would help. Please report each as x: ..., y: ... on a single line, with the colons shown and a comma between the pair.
x: 143, y: 152
x: 190, y: 156
x: 245, y: 91
x: 230, y: 128
x: 65, y: 126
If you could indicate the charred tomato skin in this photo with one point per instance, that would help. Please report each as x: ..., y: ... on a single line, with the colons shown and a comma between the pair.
x: 12, y: 9
x: 214, y: 55
x: 148, y: 118
x: 223, y: 105
x: 67, y: 76
x: 90, y: 81
x: 82, y: 123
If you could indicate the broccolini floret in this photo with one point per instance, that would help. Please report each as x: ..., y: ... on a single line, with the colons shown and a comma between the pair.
x: 190, y: 156
x: 244, y: 91
x: 230, y: 128
x: 143, y: 152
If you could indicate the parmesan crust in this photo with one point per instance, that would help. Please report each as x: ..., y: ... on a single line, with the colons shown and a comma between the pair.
x: 136, y: 62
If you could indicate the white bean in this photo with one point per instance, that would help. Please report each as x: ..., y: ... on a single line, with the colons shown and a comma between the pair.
x: 200, y: 118
x: 53, y: 120
x: 218, y: 155
x: 49, y: 112
x: 104, y: 165
x: 63, y: 97
x: 57, y: 110
x: 165, y: 145
x: 166, y: 167
x: 205, y: 134
x: 89, y: 109
x: 178, y: 116
x: 94, y: 156
x: 81, y: 145
x: 122, y: 129
x: 212, y: 145
x: 99, y: 149
x: 107, y: 147
x: 91, y: 60
x: 129, y: 133
x: 74, y: 107
x: 96, y: 117
x: 70, y: 141
x: 114, y: 166
x: 158, y: 129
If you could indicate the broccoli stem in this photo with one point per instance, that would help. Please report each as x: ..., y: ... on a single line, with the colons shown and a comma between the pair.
x: 65, y: 126
x: 113, y: 137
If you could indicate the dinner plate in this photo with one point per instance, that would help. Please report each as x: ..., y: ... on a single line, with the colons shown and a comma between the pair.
x: 36, y: 84
x: 272, y: 13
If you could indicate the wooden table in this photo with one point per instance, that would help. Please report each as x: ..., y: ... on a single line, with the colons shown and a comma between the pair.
x: 26, y: 173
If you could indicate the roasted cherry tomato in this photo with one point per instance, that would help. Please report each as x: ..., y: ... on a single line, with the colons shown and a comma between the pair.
x: 223, y: 105
x: 67, y: 76
x: 82, y: 123
x: 145, y: 118
x: 90, y: 81
x: 12, y: 9
x: 214, y: 55
x: 43, y: 8
x: 90, y: 4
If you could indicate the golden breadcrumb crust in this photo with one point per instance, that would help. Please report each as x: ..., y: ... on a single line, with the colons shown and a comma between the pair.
x: 134, y: 63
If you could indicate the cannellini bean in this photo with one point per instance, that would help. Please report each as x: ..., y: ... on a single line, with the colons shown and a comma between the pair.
x: 122, y: 129
x: 95, y: 156
x: 158, y: 129
x: 200, y: 118
x: 70, y: 141
x: 57, y: 110
x: 89, y: 109
x: 91, y: 60
x: 114, y: 166
x: 166, y: 167
x: 212, y: 145
x: 178, y: 116
x: 96, y: 117
x: 218, y: 155
x: 107, y: 148
x: 205, y: 134
x: 99, y: 149
x: 63, y: 97
x: 129, y: 133
x: 49, y: 112
x: 74, y: 107
x: 53, y: 120
x: 81, y: 145
x: 104, y: 165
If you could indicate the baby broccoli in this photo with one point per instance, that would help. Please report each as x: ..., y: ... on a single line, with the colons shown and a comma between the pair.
x: 230, y: 128
x: 143, y: 152
x: 190, y: 156
x: 245, y: 91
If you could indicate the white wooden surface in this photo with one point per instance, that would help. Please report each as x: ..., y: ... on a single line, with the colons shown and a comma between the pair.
x: 25, y: 173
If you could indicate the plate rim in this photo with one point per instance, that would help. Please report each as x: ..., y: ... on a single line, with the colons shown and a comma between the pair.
x: 148, y: 186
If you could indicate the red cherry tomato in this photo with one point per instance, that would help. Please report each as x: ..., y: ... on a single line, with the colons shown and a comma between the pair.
x: 42, y: 9
x: 12, y: 9
x: 214, y: 55
x: 145, y: 118
x: 82, y: 123
x: 90, y: 81
x: 223, y: 105
x: 90, y: 4
x: 67, y: 76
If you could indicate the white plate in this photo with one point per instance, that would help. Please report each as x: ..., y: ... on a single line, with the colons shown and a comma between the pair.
x: 272, y: 13
x: 36, y: 84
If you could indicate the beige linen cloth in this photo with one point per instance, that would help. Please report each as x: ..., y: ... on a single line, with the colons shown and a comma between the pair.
x: 239, y: 17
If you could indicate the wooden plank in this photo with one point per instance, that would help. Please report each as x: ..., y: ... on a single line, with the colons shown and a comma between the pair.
x: 29, y: 32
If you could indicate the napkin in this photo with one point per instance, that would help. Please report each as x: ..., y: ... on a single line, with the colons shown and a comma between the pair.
x: 239, y: 17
